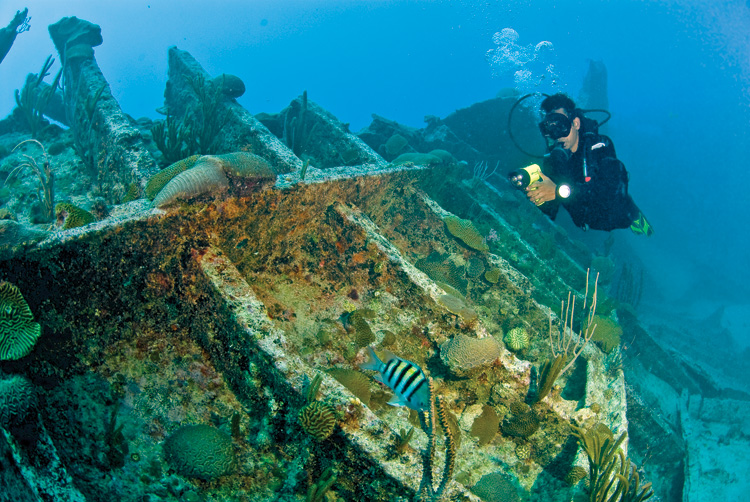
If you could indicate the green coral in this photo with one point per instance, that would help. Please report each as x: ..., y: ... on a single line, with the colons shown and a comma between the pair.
x: 466, y: 232
x: 199, y: 451
x: 133, y: 193
x: 318, y: 419
x: 445, y: 157
x: 486, y: 425
x: 17, y: 398
x: 516, y: 339
x: 457, y: 306
x: 157, y: 182
x: 395, y: 145
x: 474, y: 267
x: 246, y: 165
x: 575, y: 474
x: 522, y: 423
x: 416, y: 159
x: 463, y: 354
x: 72, y: 216
x: 357, y: 383
x: 363, y: 335
x: 492, y: 275
x: 496, y: 487
x: 441, y: 269
x: 18, y: 331
x: 607, y: 333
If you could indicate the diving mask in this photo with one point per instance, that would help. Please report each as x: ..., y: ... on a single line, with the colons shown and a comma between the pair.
x: 555, y: 126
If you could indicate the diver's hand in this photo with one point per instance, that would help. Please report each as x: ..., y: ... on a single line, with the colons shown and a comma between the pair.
x: 542, y: 191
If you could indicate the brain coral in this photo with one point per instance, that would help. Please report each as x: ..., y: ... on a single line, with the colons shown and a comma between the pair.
x: 363, y: 335
x: 18, y: 331
x: 17, y: 399
x: 463, y: 354
x: 495, y: 487
x: 465, y: 231
x: 318, y: 419
x: 199, y: 451
x: 523, y: 423
x: 517, y: 339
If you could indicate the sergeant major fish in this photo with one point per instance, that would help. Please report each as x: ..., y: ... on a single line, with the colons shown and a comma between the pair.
x: 406, y: 379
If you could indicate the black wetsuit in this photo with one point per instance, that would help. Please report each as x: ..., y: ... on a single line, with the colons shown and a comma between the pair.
x: 598, y: 183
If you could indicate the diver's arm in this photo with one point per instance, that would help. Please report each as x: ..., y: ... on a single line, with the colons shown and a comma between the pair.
x: 542, y: 191
x: 542, y: 194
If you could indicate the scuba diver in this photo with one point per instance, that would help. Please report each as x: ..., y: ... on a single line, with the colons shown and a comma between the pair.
x: 581, y: 172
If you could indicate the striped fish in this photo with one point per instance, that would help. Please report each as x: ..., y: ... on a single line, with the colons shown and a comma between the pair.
x: 406, y: 379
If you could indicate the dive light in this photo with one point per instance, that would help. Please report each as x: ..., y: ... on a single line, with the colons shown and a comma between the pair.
x: 526, y: 176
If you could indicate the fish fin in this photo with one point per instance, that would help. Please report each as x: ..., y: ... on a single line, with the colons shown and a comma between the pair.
x: 373, y: 361
x: 396, y: 401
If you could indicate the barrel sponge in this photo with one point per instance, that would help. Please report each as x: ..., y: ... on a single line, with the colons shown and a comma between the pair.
x: 318, y: 419
x: 18, y: 331
x: 463, y: 354
x: 517, y: 339
x: 17, y: 399
x: 157, y: 181
x: 199, y: 451
x: 465, y: 231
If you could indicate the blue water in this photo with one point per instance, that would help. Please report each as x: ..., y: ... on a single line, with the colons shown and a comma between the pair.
x: 679, y: 91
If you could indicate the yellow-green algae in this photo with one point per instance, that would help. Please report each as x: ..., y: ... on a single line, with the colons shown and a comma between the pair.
x: 157, y: 182
x: 72, y: 216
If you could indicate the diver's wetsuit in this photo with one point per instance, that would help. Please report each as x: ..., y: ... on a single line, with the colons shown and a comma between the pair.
x: 599, y: 190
